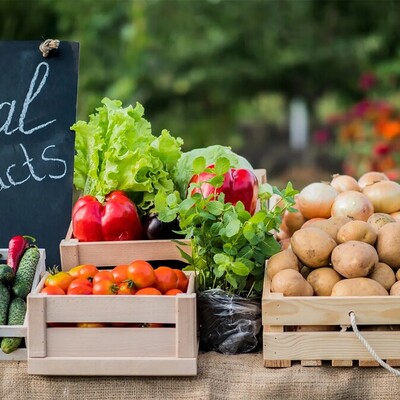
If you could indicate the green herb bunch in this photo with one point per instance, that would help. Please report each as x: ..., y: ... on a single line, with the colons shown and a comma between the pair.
x: 228, y: 245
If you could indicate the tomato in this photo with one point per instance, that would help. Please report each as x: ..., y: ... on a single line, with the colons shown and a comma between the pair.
x: 104, y: 274
x: 120, y: 273
x: 183, y: 280
x: 148, y: 291
x: 88, y: 271
x: 80, y: 281
x: 172, y: 292
x: 53, y: 290
x: 126, y: 288
x: 61, y: 279
x: 166, y: 279
x: 75, y: 271
x: 105, y: 287
x: 141, y: 273
x: 80, y: 289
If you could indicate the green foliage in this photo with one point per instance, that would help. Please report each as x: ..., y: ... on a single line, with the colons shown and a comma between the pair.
x: 229, y: 246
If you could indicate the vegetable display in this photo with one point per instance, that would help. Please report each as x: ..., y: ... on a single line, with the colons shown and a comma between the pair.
x: 116, y: 219
x: 349, y: 249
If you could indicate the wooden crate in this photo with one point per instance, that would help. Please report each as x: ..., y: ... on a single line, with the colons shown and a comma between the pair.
x: 113, y: 350
x: 340, y: 346
x: 21, y: 330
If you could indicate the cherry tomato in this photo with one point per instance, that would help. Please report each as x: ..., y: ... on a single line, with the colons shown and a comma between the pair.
x: 141, y: 273
x: 120, y: 273
x: 183, y: 280
x: 61, y: 279
x: 52, y: 290
x: 105, y: 287
x: 148, y: 291
x: 172, y: 292
x: 166, y: 279
x: 103, y: 274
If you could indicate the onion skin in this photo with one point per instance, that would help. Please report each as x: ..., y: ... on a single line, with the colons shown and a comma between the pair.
x: 316, y: 199
x: 384, y: 196
x: 342, y: 183
x: 352, y: 204
x: 370, y: 178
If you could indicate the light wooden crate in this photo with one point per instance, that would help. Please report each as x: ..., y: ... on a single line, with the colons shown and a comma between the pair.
x: 113, y: 350
x: 21, y: 330
x: 340, y: 346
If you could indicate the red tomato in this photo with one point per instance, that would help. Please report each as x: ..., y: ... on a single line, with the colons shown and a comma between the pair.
x: 52, y: 290
x: 166, y: 279
x: 126, y: 288
x: 120, y: 273
x: 172, y: 292
x: 105, y: 287
x: 80, y: 289
x: 88, y: 271
x: 141, y: 273
x: 148, y: 291
x: 80, y: 281
x: 183, y: 280
x: 61, y: 279
x: 103, y: 274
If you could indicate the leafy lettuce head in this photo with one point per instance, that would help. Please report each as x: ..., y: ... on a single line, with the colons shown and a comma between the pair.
x: 116, y: 150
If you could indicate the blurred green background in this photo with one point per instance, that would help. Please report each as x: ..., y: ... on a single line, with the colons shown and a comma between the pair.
x: 228, y: 71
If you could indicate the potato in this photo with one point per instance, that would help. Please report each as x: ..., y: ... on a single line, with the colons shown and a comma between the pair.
x: 285, y: 259
x: 398, y: 275
x: 357, y: 230
x: 291, y: 283
x: 383, y: 274
x: 395, y: 289
x: 323, y: 280
x: 354, y: 259
x: 312, y: 246
x: 377, y: 220
x: 387, y: 244
x: 331, y: 225
x: 359, y: 287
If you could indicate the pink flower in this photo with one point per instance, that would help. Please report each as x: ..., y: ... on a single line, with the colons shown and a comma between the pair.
x: 367, y: 81
x: 381, y: 149
x: 321, y: 136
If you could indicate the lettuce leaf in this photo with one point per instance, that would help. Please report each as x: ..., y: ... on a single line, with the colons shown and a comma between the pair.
x: 116, y: 150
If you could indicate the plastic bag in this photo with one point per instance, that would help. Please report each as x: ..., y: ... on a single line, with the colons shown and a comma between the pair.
x: 229, y: 324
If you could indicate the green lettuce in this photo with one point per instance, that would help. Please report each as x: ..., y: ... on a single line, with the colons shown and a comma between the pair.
x: 116, y: 150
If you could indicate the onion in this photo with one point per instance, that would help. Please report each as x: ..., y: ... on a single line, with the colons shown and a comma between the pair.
x: 293, y: 220
x: 384, y: 195
x: 371, y: 177
x: 315, y: 200
x: 312, y: 220
x: 352, y: 204
x: 342, y: 183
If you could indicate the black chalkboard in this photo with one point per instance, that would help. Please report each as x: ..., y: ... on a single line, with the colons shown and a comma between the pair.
x: 38, y: 99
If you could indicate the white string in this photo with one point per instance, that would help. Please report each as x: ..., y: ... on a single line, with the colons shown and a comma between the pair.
x: 368, y: 347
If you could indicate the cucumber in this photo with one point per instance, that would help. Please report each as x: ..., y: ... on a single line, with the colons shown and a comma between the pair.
x: 16, y: 316
x: 26, y: 273
x: 6, y: 274
x: 4, y: 303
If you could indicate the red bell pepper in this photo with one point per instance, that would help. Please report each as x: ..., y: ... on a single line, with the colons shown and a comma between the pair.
x: 239, y: 185
x: 16, y: 248
x: 116, y: 219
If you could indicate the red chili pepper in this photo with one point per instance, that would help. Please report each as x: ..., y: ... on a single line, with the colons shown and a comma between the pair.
x: 116, y: 219
x: 16, y: 248
x: 239, y: 185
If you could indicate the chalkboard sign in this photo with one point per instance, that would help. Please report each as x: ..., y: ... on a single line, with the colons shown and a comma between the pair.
x: 38, y: 98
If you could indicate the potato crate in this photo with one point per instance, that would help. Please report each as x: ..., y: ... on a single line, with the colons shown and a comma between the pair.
x: 56, y: 346
x: 21, y: 330
x: 313, y: 329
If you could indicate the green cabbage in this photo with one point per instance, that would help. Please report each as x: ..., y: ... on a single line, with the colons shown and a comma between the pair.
x: 116, y: 150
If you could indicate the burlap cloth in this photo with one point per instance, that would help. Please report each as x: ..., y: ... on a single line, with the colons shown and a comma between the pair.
x: 219, y: 377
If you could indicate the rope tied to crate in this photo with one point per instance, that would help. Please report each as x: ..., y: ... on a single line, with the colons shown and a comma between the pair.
x: 48, y: 45
x: 368, y: 346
